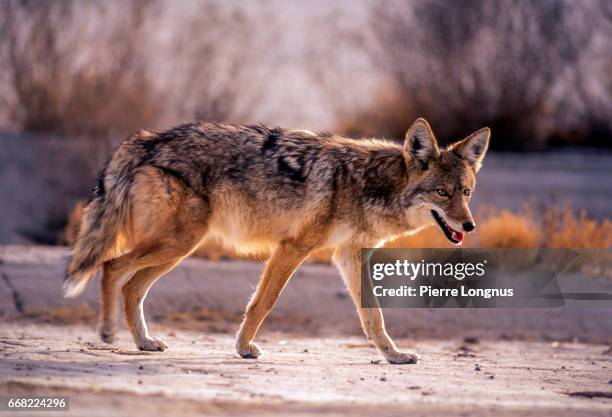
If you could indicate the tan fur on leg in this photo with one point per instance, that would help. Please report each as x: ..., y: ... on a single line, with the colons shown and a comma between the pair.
x: 109, y: 309
x: 287, y: 257
x: 134, y: 294
x: 348, y: 261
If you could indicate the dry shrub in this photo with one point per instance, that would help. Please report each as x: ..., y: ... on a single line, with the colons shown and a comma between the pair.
x: 556, y: 227
x: 466, y: 67
x: 101, y: 70
x: 565, y: 229
x: 506, y: 229
x: 67, y: 81
x: 65, y: 315
x: 387, y: 117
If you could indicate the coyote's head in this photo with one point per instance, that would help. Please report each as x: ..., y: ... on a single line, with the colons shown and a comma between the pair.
x: 444, y: 180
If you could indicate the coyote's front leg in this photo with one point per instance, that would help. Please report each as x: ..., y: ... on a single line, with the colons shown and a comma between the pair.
x: 287, y: 257
x: 348, y: 261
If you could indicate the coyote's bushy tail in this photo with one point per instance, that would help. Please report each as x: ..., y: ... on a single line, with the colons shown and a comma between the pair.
x: 103, y: 219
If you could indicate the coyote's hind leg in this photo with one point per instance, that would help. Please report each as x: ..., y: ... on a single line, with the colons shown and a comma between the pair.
x: 134, y: 294
x: 168, y: 221
x: 109, y: 309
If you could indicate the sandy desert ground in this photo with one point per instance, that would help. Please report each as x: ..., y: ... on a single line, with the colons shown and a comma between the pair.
x: 302, y: 375
x: 475, y: 362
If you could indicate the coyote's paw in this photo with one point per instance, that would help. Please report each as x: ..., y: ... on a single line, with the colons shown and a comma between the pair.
x: 152, y: 344
x: 107, y: 334
x: 250, y: 351
x: 399, y: 357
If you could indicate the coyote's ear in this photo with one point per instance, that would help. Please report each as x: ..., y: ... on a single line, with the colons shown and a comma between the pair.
x: 420, y: 144
x: 473, y: 148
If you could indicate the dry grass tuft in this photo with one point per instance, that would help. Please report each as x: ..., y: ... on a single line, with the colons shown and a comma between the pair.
x: 65, y: 315
x: 507, y: 229
x: 565, y: 229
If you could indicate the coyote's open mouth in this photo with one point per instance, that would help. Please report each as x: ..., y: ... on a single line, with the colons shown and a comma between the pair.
x: 450, y: 233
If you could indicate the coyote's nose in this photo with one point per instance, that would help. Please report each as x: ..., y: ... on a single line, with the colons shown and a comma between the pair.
x: 469, y: 226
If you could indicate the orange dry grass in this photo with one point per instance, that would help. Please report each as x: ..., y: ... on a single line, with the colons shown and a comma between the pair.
x: 565, y: 229
x: 506, y: 229
x: 555, y: 228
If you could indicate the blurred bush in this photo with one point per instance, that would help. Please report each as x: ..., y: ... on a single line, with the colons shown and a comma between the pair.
x: 506, y: 229
x: 108, y: 92
x: 539, y: 73
x: 106, y: 69
x: 563, y: 228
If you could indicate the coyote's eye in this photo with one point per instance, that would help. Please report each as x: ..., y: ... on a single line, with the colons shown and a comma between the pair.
x: 442, y: 192
x: 467, y: 192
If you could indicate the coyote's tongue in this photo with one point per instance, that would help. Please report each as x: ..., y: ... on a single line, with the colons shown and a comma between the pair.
x: 457, y: 236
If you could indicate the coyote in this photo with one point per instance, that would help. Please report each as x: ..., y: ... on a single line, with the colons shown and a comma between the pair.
x: 255, y: 187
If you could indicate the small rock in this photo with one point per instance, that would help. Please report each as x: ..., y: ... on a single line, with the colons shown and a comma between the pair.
x: 375, y: 361
x: 382, y: 378
x: 464, y: 351
x: 477, y: 368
